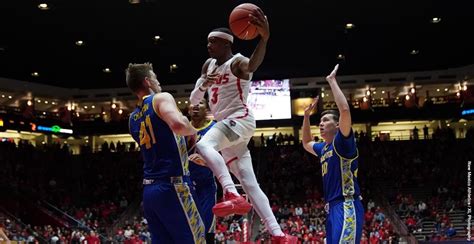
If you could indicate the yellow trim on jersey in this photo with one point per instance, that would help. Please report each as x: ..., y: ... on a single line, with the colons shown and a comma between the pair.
x: 154, y: 109
x: 347, y: 177
x: 196, y: 225
x: 205, y: 126
x: 348, y: 233
x: 335, y: 150
x: 183, y: 153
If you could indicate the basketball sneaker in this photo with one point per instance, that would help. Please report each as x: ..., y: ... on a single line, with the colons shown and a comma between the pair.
x: 285, y: 239
x: 232, y: 204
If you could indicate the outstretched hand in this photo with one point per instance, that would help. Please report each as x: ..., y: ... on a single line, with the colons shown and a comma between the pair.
x: 311, y: 106
x: 210, y: 79
x: 332, y: 77
x: 197, y: 159
x: 260, y: 21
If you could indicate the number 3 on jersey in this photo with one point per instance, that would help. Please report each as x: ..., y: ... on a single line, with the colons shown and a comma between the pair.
x: 146, y: 134
x: 214, y: 94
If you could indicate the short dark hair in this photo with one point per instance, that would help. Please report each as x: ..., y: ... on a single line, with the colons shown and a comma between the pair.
x: 224, y: 29
x: 334, y: 113
x: 136, y: 73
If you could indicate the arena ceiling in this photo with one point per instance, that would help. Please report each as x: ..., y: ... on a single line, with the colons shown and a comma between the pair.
x: 88, y: 44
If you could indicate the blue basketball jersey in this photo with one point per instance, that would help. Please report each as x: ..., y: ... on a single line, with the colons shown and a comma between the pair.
x: 164, y: 153
x: 199, y: 172
x: 339, y: 167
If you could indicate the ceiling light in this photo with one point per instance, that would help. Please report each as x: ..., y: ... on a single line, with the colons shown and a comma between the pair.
x: 43, y: 6
x: 173, y: 68
x: 106, y: 70
x: 9, y: 97
x: 414, y: 52
x: 29, y: 103
x: 35, y: 74
x: 383, y: 92
x: 85, y: 107
x: 437, y: 90
x: 445, y: 89
x: 349, y: 26
x: 79, y: 42
x: 156, y: 38
x: 92, y: 106
x: 364, y: 99
x: 340, y: 56
x: 114, y: 105
x: 39, y: 101
x: 120, y: 111
x: 134, y: 1
x: 3, y: 95
x: 179, y: 102
x: 412, y: 90
x: 435, y: 20
x: 367, y: 93
x: 53, y: 103
x: 458, y: 94
x: 464, y: 88
x: 322, y: 94
x: 46, y: 102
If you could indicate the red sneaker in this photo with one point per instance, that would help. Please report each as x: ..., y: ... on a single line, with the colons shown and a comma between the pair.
x: 233, y: 204
x: 286, y: 239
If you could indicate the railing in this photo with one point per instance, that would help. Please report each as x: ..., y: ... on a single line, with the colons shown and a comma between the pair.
x: 71, y: 221
x: 23, y: 225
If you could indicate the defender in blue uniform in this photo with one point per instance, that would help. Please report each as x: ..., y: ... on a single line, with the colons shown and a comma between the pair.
x: 201, y: 176
x: 159, y: 128
x: 338, y: 155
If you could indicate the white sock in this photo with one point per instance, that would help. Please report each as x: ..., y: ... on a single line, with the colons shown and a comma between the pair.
x: 243, y: 170
x: 217, y: 165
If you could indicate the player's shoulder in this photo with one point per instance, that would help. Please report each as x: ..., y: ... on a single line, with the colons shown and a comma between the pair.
x: 239, y: 58
x: 206, y: 64
x: 162, y: 96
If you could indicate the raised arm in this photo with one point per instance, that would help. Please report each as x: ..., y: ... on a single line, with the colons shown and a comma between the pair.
x: 202, y: 84
x: 345, y: 121
x: 165, y: 106
x: 308, y: 141
x: 260, y: 21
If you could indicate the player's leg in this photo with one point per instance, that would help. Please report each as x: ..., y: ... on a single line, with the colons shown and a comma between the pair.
x: 175, y: 207
x: 206, y: 196
x: 342, y: 220
x: 241, y: 167
x: 359, y: 219
x: 159, y: 234
x: 217, y: 138
x: 220, y: 136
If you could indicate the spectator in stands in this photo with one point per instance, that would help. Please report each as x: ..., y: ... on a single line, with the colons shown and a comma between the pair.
x: 425, y: 132
x: 451, y: 232
x: 370, y: 204
x: 415, y: 133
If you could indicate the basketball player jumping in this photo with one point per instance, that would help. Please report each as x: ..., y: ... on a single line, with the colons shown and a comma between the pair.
x: 226, y: 77
x: 338, y: 155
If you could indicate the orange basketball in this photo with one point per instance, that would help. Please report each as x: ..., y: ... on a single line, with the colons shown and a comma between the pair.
x: 239, y: 21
